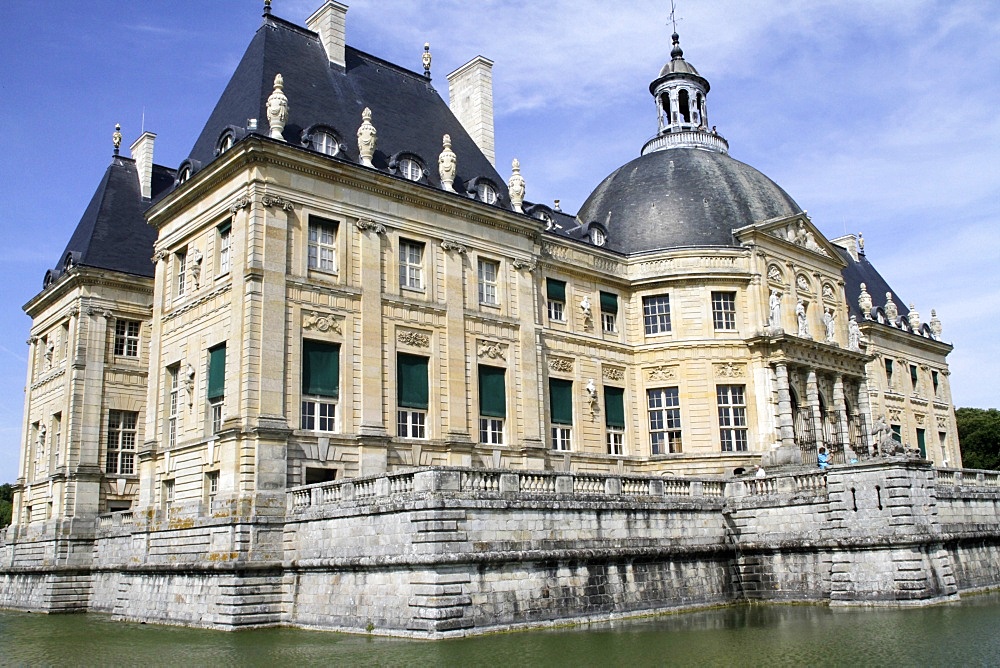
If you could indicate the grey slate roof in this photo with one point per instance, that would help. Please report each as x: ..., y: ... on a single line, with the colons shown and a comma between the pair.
x: 682, y: 197
x: 407, y: 112
x: 861, y: 271
x: 112, y: 233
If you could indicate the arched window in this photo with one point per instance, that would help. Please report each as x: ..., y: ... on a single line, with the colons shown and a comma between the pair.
x: 410, y: 169
x: 665, y: 102
x: 699, y: 107
x: 184, y: 174
x: 485, y: 192
x: 325, y: 142
x: 225, y: 142
x: 684, y: 102
x: 597, y: 235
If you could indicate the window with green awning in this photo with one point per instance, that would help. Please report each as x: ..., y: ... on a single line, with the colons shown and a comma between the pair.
x: 561, y: 401
x: 411, y: 381
x: 555, y: 290
x: 320, y: 368
x: 609, y: 302
x: 217, y: 371
x: 492, y: 392
x: 614, y: 407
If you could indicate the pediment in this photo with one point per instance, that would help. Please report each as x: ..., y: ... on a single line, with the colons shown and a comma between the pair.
x: 797, y: 230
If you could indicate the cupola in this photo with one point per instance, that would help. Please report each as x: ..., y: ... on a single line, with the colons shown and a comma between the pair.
x: 680, y: 92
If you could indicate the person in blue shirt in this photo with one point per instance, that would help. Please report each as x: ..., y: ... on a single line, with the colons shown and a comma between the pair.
x: 823, y: 459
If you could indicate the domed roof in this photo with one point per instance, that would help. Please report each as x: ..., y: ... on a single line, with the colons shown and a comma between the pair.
x: 682, y: 197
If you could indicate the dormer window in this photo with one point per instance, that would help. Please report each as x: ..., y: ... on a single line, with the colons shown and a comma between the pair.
x: 325, y: 142
x: 225, y: 142
x: 485, y: 192
x: 410, y: 169
x: 597, y: 236
x: 184, y: 174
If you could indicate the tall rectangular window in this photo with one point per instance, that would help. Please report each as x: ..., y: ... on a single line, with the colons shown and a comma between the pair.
x: 914, y: 378
x: 614, y: 419
x: 561, y: 413
x: 168, y: 493
x: 211, y: 487
x: 492, y: 404
x: 224, y: 240
x: 922, y: 442
x: 322, y: 244
x: 935, y: 382
x: 897, y: 432
x: 216, y: 385
x: 173, y: 403
x: 411, y: 265
x: 127, y: 338
x: 56, y: 439
x: 724, y: 310
x: 121, y: 442
x: 320, y: 385
x: 488, y: 273
x: 888, y: 373
x: 664, y: 420
x: 656, y: 314
x: 609, y: 312
x: 411, y: 396
x: 180, y: 272
x: 64, y: 340
x: 732, y: 417
x: 555, y: 292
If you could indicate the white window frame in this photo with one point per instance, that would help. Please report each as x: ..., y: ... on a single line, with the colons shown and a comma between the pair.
x: 410, y: 169
x: 656, y: 314
x: 225, y: 243
x: 411, y: 423
x: 557, y: 311
x: 123, y: 432
x: 733, y: 428
x: 666, y: 435
x: 616, y: 440
x: 56, y: 438
x: 325, y: 142
x: 489, y: 289
x: 491, y: 430
x: 173, y: 404
x: 562, y: 437
x: 322, y: 247
x: 215, y: 414
x: 609, y: 322
x: 411, y: 264
x: 319, y: 414
x: 180, y: 267
x: 724, y: 310
x: 127, y: 334
x: 485, y: 192
x: 168, y: 492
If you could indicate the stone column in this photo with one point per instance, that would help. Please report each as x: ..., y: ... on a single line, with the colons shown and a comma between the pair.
x: 812, y: 400
x: 456, y: 354
x: 840, y: 407
x: 865, y: 409
x: 786, y: 428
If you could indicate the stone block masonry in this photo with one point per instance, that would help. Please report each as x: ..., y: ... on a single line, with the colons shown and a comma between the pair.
x: 442, y: 552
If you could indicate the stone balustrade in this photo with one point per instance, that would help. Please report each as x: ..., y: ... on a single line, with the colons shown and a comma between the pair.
x: 487, y: 481
x: 972, y: 479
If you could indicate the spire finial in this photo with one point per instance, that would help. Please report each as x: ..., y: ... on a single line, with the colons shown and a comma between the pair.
x: 116, y: 138
x: 426, y: 58
x: 675, y: 53
x: 267, y: 7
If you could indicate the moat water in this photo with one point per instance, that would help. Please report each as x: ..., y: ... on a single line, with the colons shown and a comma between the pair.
x: 960, y: 634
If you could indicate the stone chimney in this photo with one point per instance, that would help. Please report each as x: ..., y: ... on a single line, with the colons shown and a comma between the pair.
x: 142, y: 153
x: 470, y: 96
x: 330, y: 21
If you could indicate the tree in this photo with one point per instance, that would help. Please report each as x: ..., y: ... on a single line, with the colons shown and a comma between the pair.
x: 979, y: 437
x: 6, y: 504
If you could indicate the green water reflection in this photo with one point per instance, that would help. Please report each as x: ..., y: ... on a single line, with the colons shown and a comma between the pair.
x: 949, y: 635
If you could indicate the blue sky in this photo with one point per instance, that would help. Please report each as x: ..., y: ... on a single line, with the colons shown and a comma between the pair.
x: 878, y: 117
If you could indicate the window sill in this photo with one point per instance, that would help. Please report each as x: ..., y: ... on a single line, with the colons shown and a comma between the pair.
x: 419, y: 291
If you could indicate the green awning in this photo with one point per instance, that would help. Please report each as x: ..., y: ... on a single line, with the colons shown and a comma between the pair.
x: 320, y: 368
x: 561, y: 400
x: 614, y: 407
x: 411, y: 381
x: 492, y: 392
x: 556, y: 290
x: 609, y: 302
x: 217, y: 372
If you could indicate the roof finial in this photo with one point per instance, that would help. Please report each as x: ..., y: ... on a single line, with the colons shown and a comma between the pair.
x: 267, y: 7
x: 675, y: 53
x: 426, y: 58
x: 116, y: 138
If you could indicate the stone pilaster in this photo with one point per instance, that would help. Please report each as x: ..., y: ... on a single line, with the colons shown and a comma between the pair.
x: 840, y: 408
x: 457, y: 424
x: 812, y: 400
x: 372, y: 336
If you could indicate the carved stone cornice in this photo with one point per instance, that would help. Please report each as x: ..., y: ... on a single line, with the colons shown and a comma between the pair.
x: 449, y: 245
x: 242, y: 202
x: 364, y: 224
x: 276, y: 200
x: 527, y: 265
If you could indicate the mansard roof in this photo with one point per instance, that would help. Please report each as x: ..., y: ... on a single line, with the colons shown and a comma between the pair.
x: 112, y: 233
x: 862, y: 271
x: 407, y: 112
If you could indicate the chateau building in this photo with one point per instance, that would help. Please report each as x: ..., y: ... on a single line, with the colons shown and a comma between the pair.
x: 343, y: 285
